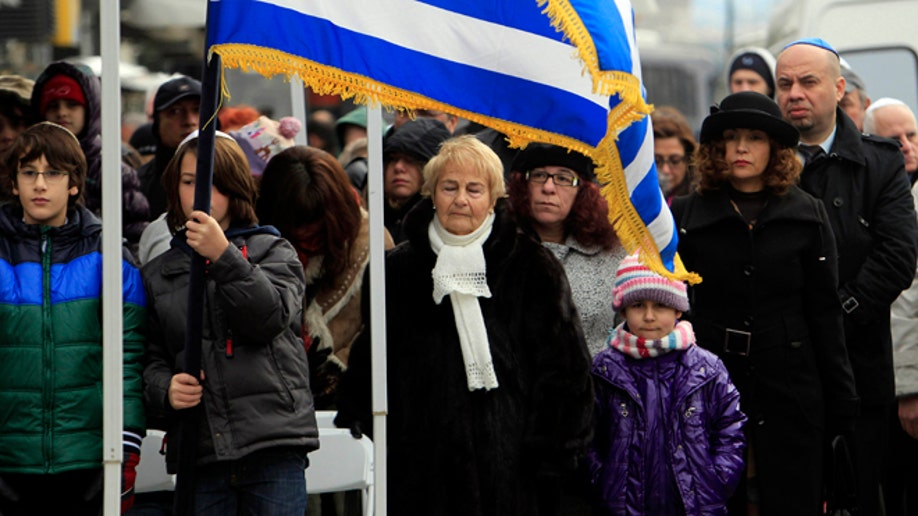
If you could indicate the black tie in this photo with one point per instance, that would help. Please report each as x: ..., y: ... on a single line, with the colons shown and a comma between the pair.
x: 810, y: 152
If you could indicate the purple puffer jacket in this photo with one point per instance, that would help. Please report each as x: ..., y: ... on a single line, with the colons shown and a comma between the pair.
x: 704, y: 435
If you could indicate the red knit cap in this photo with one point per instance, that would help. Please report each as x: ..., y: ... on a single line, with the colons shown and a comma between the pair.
x: 60, y: 87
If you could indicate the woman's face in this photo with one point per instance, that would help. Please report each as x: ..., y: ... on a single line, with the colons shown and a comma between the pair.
x: 219, y: 203
x: 669, y: 154
x: 550, y: 203
x: 747, y: 152
x: 462, y: 199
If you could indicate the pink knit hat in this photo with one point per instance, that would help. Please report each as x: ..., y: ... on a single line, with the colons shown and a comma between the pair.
x: 634, y: 282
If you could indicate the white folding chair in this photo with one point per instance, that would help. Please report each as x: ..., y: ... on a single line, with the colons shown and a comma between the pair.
x: 151, y: 472
x: 341, y: 463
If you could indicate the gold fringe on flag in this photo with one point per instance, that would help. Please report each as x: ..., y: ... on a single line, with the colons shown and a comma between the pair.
x: 326, y: 80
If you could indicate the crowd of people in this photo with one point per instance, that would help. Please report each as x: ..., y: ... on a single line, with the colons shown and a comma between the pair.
x: 535, y: 366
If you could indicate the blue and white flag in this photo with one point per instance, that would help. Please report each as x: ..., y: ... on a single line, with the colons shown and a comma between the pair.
x: 560, y: 72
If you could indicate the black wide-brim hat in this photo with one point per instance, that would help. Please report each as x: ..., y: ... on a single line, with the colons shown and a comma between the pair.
x: 748, y: 110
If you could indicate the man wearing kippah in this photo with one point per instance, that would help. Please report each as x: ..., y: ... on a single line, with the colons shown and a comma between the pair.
x: 862, y: 181
x: 893, y: 119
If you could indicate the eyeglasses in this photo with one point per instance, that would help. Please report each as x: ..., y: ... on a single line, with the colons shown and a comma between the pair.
x: 51, y: 176
x: 560, y: 179
x: 674, y: 161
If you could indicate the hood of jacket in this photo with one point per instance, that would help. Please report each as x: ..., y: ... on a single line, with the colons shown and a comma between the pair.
x: 90, y: 136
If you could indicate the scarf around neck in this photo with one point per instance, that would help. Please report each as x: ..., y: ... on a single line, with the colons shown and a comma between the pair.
x: 680, y: 338
x: 460, y: 273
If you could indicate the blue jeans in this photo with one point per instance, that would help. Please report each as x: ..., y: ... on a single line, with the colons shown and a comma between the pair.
x: 270, y: 481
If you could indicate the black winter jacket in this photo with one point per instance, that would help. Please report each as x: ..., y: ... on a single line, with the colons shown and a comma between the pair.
x: 863, y: 183
x: 256, y: 377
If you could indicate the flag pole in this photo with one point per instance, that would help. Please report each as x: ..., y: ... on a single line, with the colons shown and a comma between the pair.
x: 190, y: 418
x: 377, y: 305
x: 112, y: 306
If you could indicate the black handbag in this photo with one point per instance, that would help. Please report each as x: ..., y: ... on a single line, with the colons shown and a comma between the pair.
x: 841, y: 482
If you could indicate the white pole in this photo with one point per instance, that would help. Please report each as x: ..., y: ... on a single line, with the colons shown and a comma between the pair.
x: 377, y: 303
x: 298, y: 101
x: 110, y: 24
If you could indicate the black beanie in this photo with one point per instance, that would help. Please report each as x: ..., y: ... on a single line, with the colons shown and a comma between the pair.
x: 420, y: 138
x: 754, y: 62
x: 544, y: 155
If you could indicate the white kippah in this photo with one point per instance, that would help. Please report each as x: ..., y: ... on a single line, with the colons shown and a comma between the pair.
x: 884, y: 102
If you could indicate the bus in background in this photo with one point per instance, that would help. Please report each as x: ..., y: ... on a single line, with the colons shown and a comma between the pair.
x: 876, y: 37
x: 684, y: 77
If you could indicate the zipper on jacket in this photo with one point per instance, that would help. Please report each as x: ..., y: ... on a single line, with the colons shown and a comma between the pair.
x: 47, y: 351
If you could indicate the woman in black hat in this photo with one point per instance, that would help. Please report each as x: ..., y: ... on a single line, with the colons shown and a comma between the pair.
x: 767, y: 304
x: 555, y: 199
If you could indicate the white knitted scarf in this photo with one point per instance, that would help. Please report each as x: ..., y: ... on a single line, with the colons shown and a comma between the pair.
x: 460, y: 273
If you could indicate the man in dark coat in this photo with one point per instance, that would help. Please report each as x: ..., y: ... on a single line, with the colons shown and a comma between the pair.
x: 862, y: 181
x: 176, y: 113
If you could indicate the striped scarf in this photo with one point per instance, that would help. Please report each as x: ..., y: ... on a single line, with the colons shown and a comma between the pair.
x: 680, y: 338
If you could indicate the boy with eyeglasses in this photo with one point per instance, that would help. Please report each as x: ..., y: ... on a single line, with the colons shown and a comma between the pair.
x: 51, y: 336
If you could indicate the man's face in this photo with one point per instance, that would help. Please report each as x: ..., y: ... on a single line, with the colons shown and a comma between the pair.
x: 747, y: 80
x: 178, y: 121
x: 809, y: 87
x: 852, y: 105
x: 898, y: 123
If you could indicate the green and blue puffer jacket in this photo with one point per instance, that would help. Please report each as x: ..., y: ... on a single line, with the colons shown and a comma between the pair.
x: 51, y: 344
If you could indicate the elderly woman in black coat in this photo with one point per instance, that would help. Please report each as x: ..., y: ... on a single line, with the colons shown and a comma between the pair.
x: 488, y: 373
x: 767, y: 304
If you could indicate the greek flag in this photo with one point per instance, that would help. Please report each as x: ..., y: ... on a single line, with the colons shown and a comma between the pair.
x: 561, y: 72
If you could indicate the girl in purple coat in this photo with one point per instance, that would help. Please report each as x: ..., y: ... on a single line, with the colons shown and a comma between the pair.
x: 669, y: 436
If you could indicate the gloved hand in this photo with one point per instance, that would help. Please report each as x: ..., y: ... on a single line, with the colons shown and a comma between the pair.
x: 131, y: 459
x: 7, y: 492
x: 356, y: 431
x: 95, y: 485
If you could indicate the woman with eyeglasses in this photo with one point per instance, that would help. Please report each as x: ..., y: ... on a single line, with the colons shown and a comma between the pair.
x: 554, y: 197
x: 673, y: 147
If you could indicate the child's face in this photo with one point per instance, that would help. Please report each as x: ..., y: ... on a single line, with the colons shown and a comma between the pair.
x: 219, y: 203
x: 67, y: 113
x: 43, y: 191
x: 650, y: 319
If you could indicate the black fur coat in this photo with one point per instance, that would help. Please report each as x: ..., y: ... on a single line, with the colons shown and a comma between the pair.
x: 498, y: 452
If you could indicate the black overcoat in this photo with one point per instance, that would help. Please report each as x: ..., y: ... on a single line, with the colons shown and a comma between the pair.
x: 772, y: 288
x: 867, y: 195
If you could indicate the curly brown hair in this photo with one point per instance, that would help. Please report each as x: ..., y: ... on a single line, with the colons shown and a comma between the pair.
x: 587, y: 222
x: 713, y: 171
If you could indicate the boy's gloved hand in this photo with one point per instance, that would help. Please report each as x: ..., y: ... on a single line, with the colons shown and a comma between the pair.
x: 131, y: 459
x: 7, y: 492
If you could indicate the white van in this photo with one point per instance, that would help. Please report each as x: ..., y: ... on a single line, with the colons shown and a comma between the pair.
x: 878, y: 38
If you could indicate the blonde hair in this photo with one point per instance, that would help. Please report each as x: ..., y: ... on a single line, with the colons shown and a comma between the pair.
x: 469, y: 152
